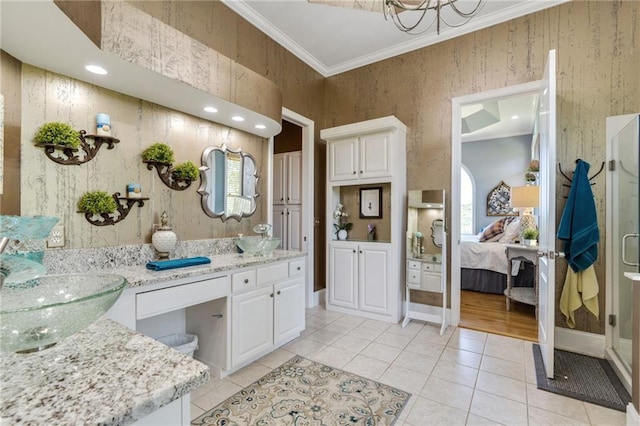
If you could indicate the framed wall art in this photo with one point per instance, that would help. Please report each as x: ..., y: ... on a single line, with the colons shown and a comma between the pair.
x: 499, y: 201
x: 371, y: 203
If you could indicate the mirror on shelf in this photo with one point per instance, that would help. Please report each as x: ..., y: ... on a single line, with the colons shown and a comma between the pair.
x: 228, y: 183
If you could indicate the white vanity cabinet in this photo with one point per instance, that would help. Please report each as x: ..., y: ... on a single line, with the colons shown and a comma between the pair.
x: 424, y: 275
x: 268, y: 315
x: 360, y: 279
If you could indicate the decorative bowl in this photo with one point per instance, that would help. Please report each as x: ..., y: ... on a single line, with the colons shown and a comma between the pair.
x: 38, y: 313
x: 258, y: 246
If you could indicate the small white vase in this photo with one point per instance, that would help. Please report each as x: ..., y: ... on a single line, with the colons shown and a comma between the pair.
x: 164, y: 239
x: 342, y: 234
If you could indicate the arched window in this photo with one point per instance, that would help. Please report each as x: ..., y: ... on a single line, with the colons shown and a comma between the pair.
x: 467, y: 191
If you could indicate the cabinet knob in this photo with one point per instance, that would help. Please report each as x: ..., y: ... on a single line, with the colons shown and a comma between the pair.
x: 278, y: 292
x: 246, y: 280
x: 281, y: 198
x: 360, y: 171
x: 271, y: 295
x: 354, y: 172
x: 282, y: 213
x: 360, y: 251
x: 288, y: 213
x: 288, y: 198
x: 298, y: 268
x: 354, y: 251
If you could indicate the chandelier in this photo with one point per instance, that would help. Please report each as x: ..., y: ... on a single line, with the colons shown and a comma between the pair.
x: 423, y: 8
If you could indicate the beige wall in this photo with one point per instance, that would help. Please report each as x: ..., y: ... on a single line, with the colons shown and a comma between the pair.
x: 10, y: 89
x: 49, y: 188
x: 598, y: 60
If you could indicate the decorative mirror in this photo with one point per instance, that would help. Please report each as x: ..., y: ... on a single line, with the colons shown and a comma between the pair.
x: 499, y: 201
x: 228, y: 183
x: 437, y: 231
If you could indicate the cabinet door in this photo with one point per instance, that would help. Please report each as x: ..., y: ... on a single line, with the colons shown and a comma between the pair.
x: 375, y: 158
x: 279, y: 227
x: 374, y: 292
x: 343, y: 159
x: 343, y: 275
x: 279, y: 178
x: 252, y: 324
x: 294, y: 178
x: 288, y: 310
x: 294, y: 227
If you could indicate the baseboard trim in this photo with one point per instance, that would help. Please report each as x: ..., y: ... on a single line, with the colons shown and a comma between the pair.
x: 580, y: 342
x: 633, y: 418
x: 317, y: 297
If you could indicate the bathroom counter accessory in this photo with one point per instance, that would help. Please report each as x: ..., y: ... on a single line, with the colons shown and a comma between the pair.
x: 161, y: 265
x: 106, y: 374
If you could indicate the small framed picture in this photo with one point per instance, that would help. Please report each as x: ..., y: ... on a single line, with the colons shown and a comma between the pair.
x: 371, y: 203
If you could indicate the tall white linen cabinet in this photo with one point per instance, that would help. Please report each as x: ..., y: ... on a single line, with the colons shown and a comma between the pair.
x: 365, y: 277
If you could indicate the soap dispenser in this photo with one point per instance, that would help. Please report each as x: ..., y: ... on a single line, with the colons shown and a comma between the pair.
x: 164, y: 239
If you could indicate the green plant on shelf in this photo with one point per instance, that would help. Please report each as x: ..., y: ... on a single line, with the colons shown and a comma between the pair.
x: 186, y: 171
x: 159, y: 153
x: 57, y: 133
x: 530, y: 234
x: 97, y: 202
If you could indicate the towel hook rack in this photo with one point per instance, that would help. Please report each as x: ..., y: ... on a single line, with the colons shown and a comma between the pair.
x: 571, y: 180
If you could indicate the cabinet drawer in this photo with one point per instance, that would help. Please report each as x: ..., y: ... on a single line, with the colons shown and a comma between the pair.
x: 296, y: 267
x: 413, y: 276
x: 273, y: 273
x: 431, y: 267
x: 245, y: 280
x: 158, y: 302
x: 413, y: 264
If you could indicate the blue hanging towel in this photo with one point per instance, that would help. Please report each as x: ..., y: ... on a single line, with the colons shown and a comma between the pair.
x: 579, y: 223
x: 161, y: 265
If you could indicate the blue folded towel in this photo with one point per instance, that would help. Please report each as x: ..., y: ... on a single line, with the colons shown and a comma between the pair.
x: 161, y: 265
x: 579, y: 223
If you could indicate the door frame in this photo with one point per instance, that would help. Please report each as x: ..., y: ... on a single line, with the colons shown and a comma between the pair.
x: 308, y: 129
x: 456, y: 163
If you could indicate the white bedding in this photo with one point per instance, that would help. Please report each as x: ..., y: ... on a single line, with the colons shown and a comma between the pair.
x: 487, y: 255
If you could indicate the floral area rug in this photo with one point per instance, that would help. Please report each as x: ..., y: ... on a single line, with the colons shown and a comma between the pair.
x: 305, y: 393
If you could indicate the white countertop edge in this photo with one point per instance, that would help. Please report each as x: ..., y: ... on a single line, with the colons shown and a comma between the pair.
x: 633, y: 276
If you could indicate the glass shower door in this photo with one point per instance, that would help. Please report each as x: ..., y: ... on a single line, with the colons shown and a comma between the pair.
x: 626, y: 219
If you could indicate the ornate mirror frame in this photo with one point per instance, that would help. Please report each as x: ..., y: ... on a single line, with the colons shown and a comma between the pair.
x: 214, y: 188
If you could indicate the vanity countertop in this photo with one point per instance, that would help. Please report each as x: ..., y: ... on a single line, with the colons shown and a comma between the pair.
x: 139, y: 275
x: 106, y: 374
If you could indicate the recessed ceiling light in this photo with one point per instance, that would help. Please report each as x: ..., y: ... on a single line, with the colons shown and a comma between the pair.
x: 237, y: 118
x: 96, y: 69
x: 515, y: 117
x: 260, y: 126
x: 210, y: 109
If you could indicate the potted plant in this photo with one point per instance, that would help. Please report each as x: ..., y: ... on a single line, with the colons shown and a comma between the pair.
x: 186, y: 171
x: 530, y: 237
x: 57, y: 133
x: 341, y: 227
x: 97, y: 202
x: 158, y: 153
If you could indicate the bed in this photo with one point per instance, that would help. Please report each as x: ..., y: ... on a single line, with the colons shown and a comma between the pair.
x: 484, y: 267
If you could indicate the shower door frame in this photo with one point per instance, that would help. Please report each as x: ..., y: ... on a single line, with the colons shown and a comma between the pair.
x: 613, y: 127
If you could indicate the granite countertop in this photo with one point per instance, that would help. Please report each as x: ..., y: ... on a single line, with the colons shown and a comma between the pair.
x: 106, y: 374
x: 139, y: 275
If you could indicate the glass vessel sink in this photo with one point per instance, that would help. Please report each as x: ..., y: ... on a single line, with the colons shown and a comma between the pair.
x: 43, y: 311
x: 258, y: 246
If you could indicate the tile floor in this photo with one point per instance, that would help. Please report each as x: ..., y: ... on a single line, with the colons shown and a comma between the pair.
x: 462, y: 378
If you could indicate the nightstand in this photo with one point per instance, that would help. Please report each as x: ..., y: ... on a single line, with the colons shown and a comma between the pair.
x: 528, y: 295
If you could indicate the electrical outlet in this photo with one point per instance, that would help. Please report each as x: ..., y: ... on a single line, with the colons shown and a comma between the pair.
x: 56, y: 237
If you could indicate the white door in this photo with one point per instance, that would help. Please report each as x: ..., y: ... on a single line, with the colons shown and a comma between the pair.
x: 252, y: 324
x: 374, y: 155
x: 294, y: 227
x: 288, y: 310
x: 374, y: 286
x: 279, y: 178
x: 546, y: 264
x: 279, y: 229
x: 294, y: 177
x: 343, y: 276
x: 343, y: 159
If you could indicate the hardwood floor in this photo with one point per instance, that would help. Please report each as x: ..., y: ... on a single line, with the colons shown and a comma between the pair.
x: 488, y: 312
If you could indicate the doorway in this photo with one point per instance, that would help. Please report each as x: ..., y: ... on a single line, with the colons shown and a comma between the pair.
x: 308, y: 239
x: 493, y: 157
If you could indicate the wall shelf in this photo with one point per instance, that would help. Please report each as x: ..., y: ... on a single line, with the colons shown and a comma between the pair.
x: 120, y: 214
x: 70, y: 155
x: 165, y: 172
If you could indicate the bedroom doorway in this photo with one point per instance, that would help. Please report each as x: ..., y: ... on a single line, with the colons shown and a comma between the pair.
x: 496, y: 142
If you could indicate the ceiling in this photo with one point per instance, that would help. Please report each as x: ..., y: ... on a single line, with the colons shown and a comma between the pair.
x: 333, y: 39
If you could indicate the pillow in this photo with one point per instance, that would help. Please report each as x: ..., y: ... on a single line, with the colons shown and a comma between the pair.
x: 495, y: 229
x: 511, y: 231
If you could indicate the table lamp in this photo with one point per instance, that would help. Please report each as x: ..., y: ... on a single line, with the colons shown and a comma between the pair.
x: 525, y: 199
